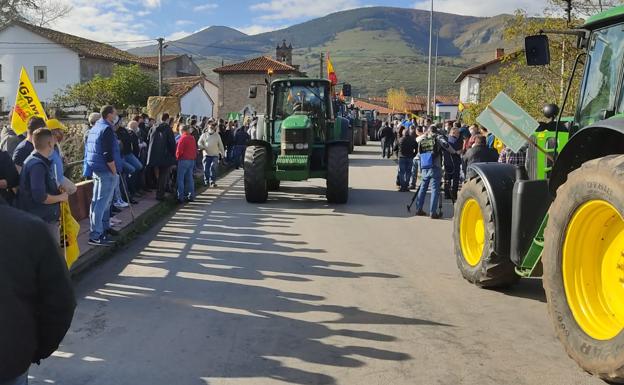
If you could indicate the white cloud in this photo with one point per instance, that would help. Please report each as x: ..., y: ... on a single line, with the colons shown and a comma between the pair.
x: 258, y: 29
x: 205, y: 7
x: 483, y: 7
x: 151, y: 3
x: 184, y: 22
x: 297, y: 9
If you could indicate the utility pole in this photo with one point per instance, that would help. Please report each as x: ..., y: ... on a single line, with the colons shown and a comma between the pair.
x: 568, y: 11
x: 160, y: 65
x: 435, y: 72
x: 429, y: 74
x: 322, y: 70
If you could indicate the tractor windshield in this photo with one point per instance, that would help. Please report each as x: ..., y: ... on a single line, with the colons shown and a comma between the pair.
x: 309, y: 99
x: 602, y: 74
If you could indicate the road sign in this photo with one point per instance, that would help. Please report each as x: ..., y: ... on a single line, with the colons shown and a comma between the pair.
x: 509, y: 122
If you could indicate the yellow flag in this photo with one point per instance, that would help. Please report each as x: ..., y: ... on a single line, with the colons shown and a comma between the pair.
x: 69, y: 235
x: 461, y: 107
x: 27, y: 104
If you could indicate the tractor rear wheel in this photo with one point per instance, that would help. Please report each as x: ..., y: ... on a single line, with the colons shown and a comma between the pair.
x: 583, y: 263
x: 256, y: 189
x: 474, y: 238
x: 357, y: 141
x: 337, y: 174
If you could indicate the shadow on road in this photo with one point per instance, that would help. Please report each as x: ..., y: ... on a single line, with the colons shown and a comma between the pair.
x: 192, y: 304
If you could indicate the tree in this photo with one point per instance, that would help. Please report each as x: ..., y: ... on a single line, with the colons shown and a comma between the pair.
x: 397, y: 99
x: 14, y: 9
x: 128, y: 86
x: 46, y: 12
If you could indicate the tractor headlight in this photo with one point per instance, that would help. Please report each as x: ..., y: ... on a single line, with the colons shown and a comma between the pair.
x: 288, y: 146
x: 301, y: 146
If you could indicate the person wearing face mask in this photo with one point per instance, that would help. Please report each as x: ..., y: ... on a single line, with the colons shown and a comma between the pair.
x: 211, y: 144
x: 38, y: 191
x: 103, y: 157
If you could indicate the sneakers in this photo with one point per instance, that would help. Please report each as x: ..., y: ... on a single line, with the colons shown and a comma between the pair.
x: 120, y: 204
x: 213, y: 184
x: 421, y: 213
x: 436, y: 216
x: 102, y: 242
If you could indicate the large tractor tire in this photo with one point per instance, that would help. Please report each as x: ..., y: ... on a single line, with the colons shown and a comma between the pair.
x: 256, y: 188
x: 583, y: 263
x: 474, y: 239
x: 337, y: 174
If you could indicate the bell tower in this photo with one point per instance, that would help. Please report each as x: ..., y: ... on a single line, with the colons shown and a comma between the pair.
x: 283, y: 53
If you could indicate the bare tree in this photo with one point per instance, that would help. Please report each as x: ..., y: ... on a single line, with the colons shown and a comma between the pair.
x: 585, y: 8
x: 38, y: 12
x: 47, y: 12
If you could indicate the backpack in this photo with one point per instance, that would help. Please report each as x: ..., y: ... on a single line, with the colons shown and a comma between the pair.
x: 428, y: 150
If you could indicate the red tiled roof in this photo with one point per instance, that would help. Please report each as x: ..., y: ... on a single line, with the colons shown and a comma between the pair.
x: 179, y: 87
x: 417, y: 102
x: 154, y: 59
x: 362, y: 105
x: 85, y: 47
x: 257, y: 65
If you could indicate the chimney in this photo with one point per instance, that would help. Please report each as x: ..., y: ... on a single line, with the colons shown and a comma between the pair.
x: 500, y: 52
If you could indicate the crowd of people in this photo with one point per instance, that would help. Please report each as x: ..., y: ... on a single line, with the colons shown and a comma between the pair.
x: 440, y: 155
x: 125, y: 157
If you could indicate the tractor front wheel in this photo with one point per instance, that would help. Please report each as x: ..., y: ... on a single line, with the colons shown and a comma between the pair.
x: 256, y: 189
x: 583, y: 263
x: 474, y: 239
x: 337, y: 174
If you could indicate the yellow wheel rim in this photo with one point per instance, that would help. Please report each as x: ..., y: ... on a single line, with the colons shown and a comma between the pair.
x: 593, y: 269
x: 472, y: 232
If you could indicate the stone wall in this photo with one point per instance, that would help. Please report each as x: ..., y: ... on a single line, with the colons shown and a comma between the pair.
x: 234, y: 94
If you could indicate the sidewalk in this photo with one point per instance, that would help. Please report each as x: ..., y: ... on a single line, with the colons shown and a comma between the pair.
x: 134, y: 220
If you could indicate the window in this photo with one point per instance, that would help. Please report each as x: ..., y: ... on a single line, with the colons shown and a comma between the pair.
x: 41, y: 74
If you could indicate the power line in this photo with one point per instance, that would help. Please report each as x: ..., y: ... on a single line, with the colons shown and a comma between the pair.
x: 76, y: 43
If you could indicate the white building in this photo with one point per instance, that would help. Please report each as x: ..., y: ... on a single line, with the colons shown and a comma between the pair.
x: 446, y: 111
x: 470, y: 79
x: 53, y: 60
x: 194, y: 98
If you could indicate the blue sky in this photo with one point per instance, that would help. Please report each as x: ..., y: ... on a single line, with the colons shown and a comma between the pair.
x: 135, y: 20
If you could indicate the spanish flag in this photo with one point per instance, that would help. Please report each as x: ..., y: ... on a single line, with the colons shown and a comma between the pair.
x: 27, y: 104
x: 331, y: 73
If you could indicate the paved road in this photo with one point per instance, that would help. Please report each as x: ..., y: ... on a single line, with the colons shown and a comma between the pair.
x: 296, y: 291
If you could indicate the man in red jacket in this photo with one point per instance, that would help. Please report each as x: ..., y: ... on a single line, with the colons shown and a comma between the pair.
x: 185, y: 154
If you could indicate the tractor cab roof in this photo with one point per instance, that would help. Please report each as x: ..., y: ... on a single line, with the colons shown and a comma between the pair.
x: 299, y: 80
x: 610, y: 16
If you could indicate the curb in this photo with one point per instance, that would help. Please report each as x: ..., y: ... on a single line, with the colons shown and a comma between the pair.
x: 142, y: 224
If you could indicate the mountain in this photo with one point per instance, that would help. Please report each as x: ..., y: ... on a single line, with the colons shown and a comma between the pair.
x: 373, y: 48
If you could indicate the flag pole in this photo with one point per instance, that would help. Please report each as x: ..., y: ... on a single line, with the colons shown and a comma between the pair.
x: 429, y: 72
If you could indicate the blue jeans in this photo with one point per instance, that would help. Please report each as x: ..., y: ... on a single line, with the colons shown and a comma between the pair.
x: 20, y: 380
x: 239, y: 152
x: 104, y: 185
x: 131, y: 164
x: 186, y: 184
x: 415, y: 168
x: 428, y: 175
x: 405, y: 170
x: 210, y: 169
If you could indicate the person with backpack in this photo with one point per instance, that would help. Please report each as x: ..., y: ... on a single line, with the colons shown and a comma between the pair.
x: 430, y: 152
x: 161, y: 153
x: 452, y: 164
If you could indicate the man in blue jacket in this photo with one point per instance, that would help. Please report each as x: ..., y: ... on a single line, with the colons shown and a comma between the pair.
x: 104, y: 160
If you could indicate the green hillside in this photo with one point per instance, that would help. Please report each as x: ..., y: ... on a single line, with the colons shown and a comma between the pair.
x: 373, y: 48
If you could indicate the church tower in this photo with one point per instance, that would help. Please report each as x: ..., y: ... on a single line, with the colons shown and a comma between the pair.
x: 283, y: 53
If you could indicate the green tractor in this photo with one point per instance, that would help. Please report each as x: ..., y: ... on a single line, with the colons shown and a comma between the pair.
x: 566, y: 222
x: 301, y: 139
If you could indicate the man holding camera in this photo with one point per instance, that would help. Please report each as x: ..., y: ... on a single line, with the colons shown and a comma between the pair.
x: 430, y: 151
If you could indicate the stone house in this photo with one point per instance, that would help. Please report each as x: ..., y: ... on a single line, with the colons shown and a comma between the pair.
x: 175, y: 66
x: 54, y: 60
x: 235, y: 80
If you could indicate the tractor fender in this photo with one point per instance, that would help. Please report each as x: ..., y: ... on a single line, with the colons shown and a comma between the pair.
x: 499, y: 180
x: 603, y: 138
x: 269, y: 149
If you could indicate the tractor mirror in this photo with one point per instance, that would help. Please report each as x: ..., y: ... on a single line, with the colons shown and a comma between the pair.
x: 253, y: 92
x: 537, y: 50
